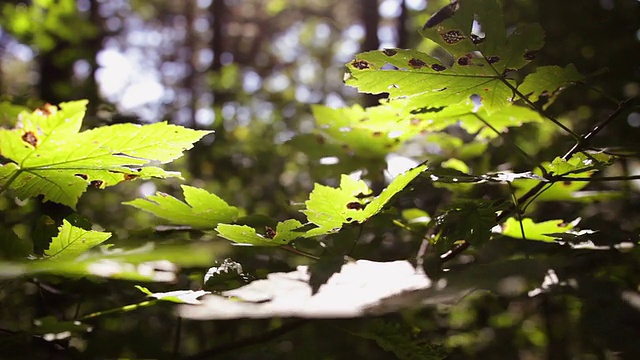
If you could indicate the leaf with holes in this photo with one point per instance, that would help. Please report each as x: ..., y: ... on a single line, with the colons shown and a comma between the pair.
x: 49, y: 156
x: 201, y: 210
x: 246, y: 235
x: 548, y: 81
x: 330, y: 208
x: 73, y: 241
x: 474, y: 65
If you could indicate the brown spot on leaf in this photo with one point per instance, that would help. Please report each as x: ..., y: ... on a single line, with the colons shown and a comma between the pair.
x: 438, y: 67
x: 377, y: 134
x: 452, y: 37
x: 269, y: 232
x: 128, y: 177
x: 47, y: 110
x: 320, y: 139
x: 96, y: 183
x: 464, y: 61
x: 493, y: 59
x: 530, y: 55
x: 417, y: 63
x: 82, y: 176
x: 360, y: 64
x: 30, y: 138
x: 566, y: 183
x: 389, y: 52
x: 354, y: 205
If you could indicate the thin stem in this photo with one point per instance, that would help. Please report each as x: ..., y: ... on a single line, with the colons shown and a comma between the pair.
x: 584, y: 140
x: 293, y: 250
x: 536, y: 108
x: 604, y: 178
x: 122, y: 309
x: 360, y: 229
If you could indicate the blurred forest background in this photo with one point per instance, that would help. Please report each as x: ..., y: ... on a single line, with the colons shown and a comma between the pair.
x: 250, y: 70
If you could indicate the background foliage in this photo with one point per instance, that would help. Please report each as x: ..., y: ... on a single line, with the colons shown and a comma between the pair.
x: 254, y: 91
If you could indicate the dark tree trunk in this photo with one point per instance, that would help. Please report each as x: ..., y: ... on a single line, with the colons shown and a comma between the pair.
x: 371, y: 19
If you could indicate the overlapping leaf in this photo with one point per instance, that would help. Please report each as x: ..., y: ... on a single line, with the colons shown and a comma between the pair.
x: 535, y: 231
x: 379, y: 130
x: 580, y: 165
x: 49, y: 156
x: 73, y: 241
x: 246, y: 235
x: 201, y: 210
x: 327, y: 208
x: 330, y: 208
x: 478, y: 64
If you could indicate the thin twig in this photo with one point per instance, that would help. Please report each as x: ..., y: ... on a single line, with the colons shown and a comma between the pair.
x: 293, y: 250
x: 581, y: 142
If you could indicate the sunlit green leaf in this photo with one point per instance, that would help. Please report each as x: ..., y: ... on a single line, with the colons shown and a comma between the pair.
x: 201, y: 210
x: 50, y: 157
x: 73, y: 241
x: 330, y: 208
x: 535, y: 231
x: 549, y: 80
x: 243, y: 234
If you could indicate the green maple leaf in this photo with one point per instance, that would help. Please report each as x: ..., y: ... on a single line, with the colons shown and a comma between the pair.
x: 580, y: 165
x: 475, y: 65
x: 201, y: 210
x: 246, y: 235
x: 330, y: 208
x: 48, y: 155
x: 549, y: 80
x: 535, y: 231
x: 73, y: 241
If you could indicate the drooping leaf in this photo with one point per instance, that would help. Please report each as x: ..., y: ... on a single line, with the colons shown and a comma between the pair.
x: 580, y: 165
x: 73, y: 241
x: 49, y: 156
x: 201, y: 210
x: 178, y: 296
x: 330, y: 208
x: 322, y: 270
x: 225, y: 276
x: 246, y: 235
x: 549, y: 80
x: 535, y: 231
